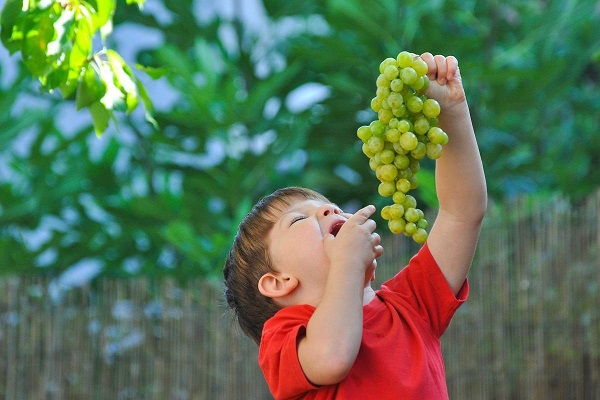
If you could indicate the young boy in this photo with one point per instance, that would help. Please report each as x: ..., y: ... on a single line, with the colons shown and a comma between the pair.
x: 299, y: 272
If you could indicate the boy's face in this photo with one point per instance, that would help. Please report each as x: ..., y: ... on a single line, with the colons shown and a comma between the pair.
x: 297, y: 245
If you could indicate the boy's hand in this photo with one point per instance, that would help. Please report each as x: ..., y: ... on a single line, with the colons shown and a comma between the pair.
x: 445, y: 82
x: 356, y: 244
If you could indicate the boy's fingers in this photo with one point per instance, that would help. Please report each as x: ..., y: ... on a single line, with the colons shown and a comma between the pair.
x: 442, y: 69
x: 452, y: 64
x: 362, y: 215
x: 431, y: 71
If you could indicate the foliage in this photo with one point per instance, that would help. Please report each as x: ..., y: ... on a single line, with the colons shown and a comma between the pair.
x: 56, y: 38
x: 166, y: 199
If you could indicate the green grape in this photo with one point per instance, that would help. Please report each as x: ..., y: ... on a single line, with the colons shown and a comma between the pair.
x: 422, y: 223
x: 390, y: 72
x: 393, y: 123
x: 398, y: 148
x: 408, y: 75
x: 387, y: 156
x: 375, y: 144
x: 396, y: 85
x: 420, y: 67
x: 420, y: 236
x: 404, y: 126
x: 400, y: 111
x: 377, y: 157
x: 405, y: 173
x: 409, y: 141
x: 421, y: 125
x: 385, y: 213
x: 396, y: 226
x: 399, y: 197
x: 396, y: 211
x: 385, y: 63
x: 414, y: 165
x: 414, y: 104
x: 374, y: 163
x: 386, y: 172
x: 364, y: 133
x: 384, y: 116
x: 414, y: 182
x: 419, y: 152
x: 377, y: 128
x: 434, y: 150
x: 410, y: 228
x: 403, y: 185
x: 426, y: 83
x: 410, y: 202
x: 382, y: 81
x: 395, y: 100
x: 367, y: 150
x: 437, y: 135
x: 392, y: 135
x: 419, y: 83
x: 411, y: 215
x: 404, y: 59
x: 386, y: 189
x: 376, y: 104
x: 431, y: 108
x: 382, y: 92
x: 401, y: 161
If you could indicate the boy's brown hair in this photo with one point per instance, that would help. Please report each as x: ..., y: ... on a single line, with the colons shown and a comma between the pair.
x: 249, y: 259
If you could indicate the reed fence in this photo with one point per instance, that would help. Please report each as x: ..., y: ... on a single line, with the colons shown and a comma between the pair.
x: 530, y: 329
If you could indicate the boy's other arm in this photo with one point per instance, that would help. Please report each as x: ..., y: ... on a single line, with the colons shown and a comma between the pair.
x: 333, y: 335
x: 460, y: 181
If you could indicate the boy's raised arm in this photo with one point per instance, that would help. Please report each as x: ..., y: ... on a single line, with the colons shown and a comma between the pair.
x: 460, y: 180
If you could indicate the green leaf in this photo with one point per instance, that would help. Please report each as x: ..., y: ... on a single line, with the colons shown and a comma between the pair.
x: 105, y: 11
x: 100, y: 117
x: 123, y: 79
x: 140, y: 3
x: 113, y: 98
x: 10, y: 13
x: 82, y: 45
x: 152, y: 72
x: 90, y: 89
x: 38, y: 31
x: 146, y: 101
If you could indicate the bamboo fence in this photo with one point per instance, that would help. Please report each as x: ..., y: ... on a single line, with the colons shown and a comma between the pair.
x: 530, y: 329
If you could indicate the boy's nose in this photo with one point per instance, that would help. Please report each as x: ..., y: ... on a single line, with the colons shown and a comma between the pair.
x: 327, y: 209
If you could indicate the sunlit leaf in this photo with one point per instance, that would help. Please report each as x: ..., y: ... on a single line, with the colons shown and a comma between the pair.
x: 123, y: 79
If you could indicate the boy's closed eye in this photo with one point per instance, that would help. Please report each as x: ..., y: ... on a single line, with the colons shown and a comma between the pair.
x: 297, y: 218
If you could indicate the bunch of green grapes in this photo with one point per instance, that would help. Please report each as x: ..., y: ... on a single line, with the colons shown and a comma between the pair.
x: 405, y: 131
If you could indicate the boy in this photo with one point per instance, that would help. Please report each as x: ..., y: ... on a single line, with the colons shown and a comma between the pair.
x: 299, y: 273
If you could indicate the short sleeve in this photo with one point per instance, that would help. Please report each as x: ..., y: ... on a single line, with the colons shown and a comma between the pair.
x: 422, y: 286
x: 278, y: 352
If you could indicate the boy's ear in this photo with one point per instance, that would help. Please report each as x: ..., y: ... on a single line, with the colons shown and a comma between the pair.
x: 274, y: 286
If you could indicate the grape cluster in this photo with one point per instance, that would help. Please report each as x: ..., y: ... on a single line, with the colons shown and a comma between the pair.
x: 405, y: 131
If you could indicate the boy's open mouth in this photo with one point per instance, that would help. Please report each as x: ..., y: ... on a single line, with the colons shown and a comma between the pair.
x: 335, y: 228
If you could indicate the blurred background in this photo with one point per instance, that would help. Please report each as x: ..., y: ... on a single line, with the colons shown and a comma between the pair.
x: 112, y: 246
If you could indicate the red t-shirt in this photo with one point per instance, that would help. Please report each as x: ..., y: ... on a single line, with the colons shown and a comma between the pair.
x: 400, y: 355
